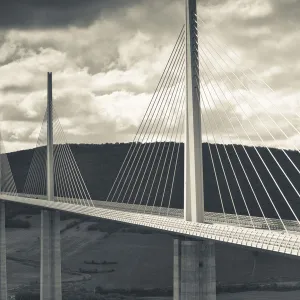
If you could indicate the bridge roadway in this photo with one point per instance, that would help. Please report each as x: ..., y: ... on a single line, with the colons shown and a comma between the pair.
x: 216, y: 227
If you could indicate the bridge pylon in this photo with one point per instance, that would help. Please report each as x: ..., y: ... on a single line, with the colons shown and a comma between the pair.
x: 194, y: 260
x: 193, y: 173
x: 3, y: 273
x: 50, y: 273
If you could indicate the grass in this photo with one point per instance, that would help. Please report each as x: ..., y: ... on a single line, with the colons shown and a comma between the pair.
x: 17, y: 223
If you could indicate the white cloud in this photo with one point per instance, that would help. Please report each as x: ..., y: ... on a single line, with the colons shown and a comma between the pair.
x: 105, y: 73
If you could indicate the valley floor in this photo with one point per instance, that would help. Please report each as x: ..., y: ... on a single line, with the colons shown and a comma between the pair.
x: 140, y: 261
x: 293, y: 295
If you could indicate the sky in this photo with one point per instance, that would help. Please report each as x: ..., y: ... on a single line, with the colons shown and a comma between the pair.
x: 107, y: 58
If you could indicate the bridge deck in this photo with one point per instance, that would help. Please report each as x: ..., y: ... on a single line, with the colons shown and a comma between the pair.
x: 210, y: 217
x: 276, y: 241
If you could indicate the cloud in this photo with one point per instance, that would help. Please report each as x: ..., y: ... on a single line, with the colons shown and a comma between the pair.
x: 49, y: 14
x: 107, y: 58
x: 116, y: 59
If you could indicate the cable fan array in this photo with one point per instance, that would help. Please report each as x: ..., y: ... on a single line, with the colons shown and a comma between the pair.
x: 69, y: 186
x: 245, y: 182
x: 147, y: 175
x: 7, y: 182
x: 253, y: 184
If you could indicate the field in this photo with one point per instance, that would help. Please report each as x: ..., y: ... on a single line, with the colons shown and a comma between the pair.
x: 139, y: 260
x: 292, y: 295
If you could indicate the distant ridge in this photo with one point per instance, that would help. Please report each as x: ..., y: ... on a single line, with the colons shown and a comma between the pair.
x: 99, y: 166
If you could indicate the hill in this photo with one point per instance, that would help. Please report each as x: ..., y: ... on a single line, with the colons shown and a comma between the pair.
x: 132, y: 250
x: 99, y: 166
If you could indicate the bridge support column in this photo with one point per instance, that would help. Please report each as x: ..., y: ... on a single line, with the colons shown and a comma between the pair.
x: 3, y: 273
x: 193, y: 164
x: 177, y: 269
x: 194, y: 270
x: 50, y: 281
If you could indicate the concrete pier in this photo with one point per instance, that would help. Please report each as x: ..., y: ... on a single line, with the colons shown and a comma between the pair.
x: 195, y: 270
x: 176, y: 269
x: 193, y: 162
x: 3, y: 273
x: 50, y: 281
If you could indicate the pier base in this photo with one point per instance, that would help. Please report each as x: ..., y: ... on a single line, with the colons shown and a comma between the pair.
x: 194, y: 270
x: 3, y: 273
x: 176, y: 269
x: 50, y: 281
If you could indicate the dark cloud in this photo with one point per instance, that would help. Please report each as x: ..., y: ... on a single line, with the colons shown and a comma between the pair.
x: 57, y: 13
x: 97, y: 48
x: 15, y: 88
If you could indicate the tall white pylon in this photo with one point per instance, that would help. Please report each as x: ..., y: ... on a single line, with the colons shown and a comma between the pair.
x: 3, y: 271
x: 50, y: 276
x: 50, y: 177
x: 193, y: 163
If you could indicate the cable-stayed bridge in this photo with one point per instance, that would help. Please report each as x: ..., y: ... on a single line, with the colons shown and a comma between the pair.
x: 199, y: 98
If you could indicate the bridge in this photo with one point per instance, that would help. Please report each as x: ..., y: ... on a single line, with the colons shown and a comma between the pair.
x: 187, y: 102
